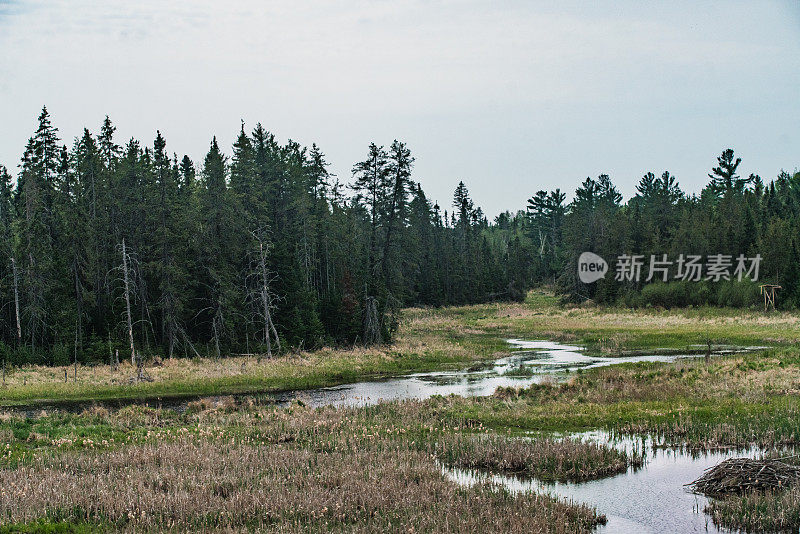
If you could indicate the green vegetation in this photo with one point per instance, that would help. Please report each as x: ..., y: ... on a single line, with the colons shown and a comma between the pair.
x: 543, y: 458
x: 47, y: 526
x: 733, y: 216
x: 430, y: 339
x: 414, y: 351
x: 771, y: 511
x: 612, y: 330
x: 107, y: 248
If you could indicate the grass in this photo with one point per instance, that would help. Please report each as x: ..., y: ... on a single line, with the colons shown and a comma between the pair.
x: 565, y: 460
x: 771, y: 511
x: 413, y: 352
x: 733, y: 401
x: 611, y: 330
x: 234, y: 467
x: 50, y: 526
x: 253, y: 461
x: 430, y: 339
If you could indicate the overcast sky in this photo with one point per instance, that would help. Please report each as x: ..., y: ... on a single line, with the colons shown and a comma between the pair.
x: 510, y: 97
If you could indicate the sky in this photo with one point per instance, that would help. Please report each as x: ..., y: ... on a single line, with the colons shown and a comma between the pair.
x: 508, y: 96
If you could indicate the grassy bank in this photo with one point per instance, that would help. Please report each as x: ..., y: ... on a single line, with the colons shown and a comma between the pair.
x: 429, y: 339
x: 413, y: 352
x: 614, y: 330
x: 731, y: 401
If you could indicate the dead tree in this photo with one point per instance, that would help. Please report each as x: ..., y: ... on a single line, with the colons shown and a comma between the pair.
x: 16, y: 300
x: 111, y: 362
x: 372, y: 325
x: 128, y: 287
x: 264, y: 295
x: 127, y: 281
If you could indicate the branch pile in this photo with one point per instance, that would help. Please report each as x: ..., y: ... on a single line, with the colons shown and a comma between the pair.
x: 740, y: 475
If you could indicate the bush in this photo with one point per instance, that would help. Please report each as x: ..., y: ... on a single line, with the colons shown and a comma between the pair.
x: 95, y: 351
x: 744, y: 294
x: 674, y: 294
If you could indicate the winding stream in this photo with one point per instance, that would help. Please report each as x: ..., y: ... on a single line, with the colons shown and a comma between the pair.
x: 530, y: 363
x: 648, y: 499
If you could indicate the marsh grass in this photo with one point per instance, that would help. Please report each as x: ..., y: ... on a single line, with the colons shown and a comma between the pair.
x: 248, y: 467
x: 769, y: 511
x: 377, y: 468
x: 732, y: 401
x: 612, y: 330
x: 414, y: 351
x: 566, y: 460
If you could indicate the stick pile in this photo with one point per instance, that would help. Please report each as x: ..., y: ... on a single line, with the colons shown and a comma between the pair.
x: 740, y: 475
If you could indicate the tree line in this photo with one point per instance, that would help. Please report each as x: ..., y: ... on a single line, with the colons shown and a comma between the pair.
x: 110, y: 248
x: 732, y: 217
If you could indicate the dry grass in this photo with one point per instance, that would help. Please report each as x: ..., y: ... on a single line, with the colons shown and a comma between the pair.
x: 194, y: 484
x: 612, y: 330
x: 543, y: 458
x: 748, y: 377
x: 227, y: 467
x: 412, y: 351
x: 193, y: 369
x: 770, y: 511
x: 428, y: 339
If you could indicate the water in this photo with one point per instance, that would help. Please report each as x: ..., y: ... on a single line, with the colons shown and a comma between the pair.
x: 528, y: 363
x: 652, y: 498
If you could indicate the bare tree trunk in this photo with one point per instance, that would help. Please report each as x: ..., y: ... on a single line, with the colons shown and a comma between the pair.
x: 128, y: 301
x: 216, y: 333
x: 372, y: 327
x: 16, y: 301
x: 171, y: 340
x: 75, y: 353
x: 110, y: 353
x: 266, y: 302
x: 188, y: 342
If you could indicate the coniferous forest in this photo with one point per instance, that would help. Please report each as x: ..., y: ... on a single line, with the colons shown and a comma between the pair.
x: 106, y: 245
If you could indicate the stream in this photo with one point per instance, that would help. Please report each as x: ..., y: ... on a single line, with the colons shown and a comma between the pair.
x: 651, y: 498
x: 647, y: 499
x: 530, y: 363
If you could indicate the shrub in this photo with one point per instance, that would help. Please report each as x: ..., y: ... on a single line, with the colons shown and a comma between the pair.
x: 744, y: 294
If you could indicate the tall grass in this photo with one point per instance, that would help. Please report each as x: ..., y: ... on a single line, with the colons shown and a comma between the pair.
x: 544, y: 458
x: 240, y: 467
x: 770, y: 511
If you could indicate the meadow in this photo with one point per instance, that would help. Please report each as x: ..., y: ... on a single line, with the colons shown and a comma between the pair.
x: 429, y: 339
x: 235, y: 463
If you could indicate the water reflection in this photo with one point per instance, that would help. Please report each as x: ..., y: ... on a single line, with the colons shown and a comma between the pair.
x: 530, y: 363
x: 652, y: 498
